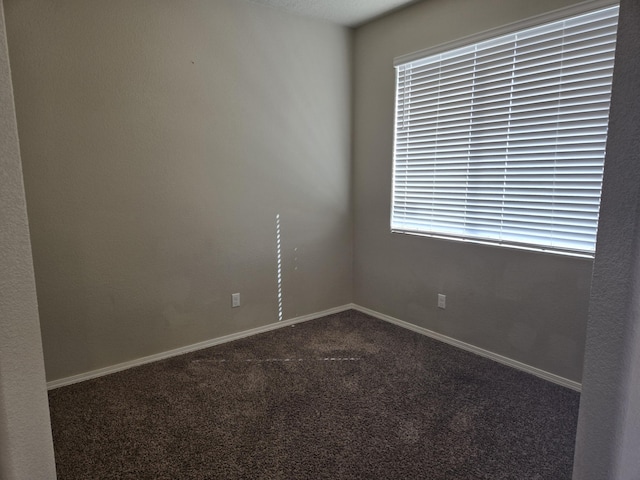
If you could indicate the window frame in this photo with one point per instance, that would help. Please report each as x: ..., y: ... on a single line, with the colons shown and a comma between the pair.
x: 512, y: 28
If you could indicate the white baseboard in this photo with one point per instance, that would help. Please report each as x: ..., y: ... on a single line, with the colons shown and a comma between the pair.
x: 273, y: 326
x: 191, y: 348
x: 565, y: 382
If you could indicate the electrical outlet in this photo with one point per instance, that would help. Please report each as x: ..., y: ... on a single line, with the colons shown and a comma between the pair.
x: 235, y: 300
x: 442, y: 301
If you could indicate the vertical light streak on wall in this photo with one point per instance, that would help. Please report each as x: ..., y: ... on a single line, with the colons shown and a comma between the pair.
x: 279, y: 257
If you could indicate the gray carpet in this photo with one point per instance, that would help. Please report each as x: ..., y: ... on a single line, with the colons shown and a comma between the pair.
x: 343, y: 397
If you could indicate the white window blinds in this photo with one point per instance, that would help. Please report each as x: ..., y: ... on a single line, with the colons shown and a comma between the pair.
x: 503, y: 141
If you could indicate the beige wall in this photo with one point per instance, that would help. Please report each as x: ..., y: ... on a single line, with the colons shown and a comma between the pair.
x: 159, y: 141
x: 609, y: 423
x: 26, y: 449
x: 530, y: 307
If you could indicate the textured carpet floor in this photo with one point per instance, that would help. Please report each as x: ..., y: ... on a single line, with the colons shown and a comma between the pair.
x: 343, y: 397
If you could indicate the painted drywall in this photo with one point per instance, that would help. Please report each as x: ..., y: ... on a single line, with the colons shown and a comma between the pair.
x: 26, y: 448
x: 349, y: 13
x: 609, y: 422
x: 527, y: 306
x: 160, y: 140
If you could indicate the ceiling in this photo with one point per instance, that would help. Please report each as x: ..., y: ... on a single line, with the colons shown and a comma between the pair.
x: 343, y: 12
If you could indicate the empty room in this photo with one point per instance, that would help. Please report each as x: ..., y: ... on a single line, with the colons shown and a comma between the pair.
x: 319, y: 239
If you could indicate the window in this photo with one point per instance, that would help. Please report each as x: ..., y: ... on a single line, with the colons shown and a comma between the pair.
x: 502, y: 141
